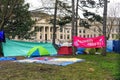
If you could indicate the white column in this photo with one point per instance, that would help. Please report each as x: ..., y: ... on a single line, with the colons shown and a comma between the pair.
x: 38, y: 36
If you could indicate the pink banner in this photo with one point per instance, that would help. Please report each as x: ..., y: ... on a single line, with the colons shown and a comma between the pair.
x: 96, y: 42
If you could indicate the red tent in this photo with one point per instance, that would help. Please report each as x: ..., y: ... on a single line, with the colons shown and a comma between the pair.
x: 65, y: 50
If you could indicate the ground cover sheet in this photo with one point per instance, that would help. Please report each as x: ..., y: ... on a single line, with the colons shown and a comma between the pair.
x: 51, y: 60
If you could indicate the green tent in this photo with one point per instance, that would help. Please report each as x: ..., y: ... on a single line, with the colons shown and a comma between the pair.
x: 38, y: 51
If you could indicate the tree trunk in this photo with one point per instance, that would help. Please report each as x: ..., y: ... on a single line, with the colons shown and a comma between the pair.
x: 73, y: 25
x: 1, y: 49
x: 119, y: 30
x: 76, y: 25
x: 2, y: 24
x: 1, y: 28
x: 54, y: 25
x: 104, y: 26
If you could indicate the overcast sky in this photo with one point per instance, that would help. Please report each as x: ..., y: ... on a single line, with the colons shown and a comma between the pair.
x: 34, y: 4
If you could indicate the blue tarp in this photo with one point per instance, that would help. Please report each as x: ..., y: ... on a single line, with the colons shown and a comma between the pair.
x: 109, y: 45
x: 80, y: 50
x: 116, y: 46
x: 2, y: 36
x: 7, y: 58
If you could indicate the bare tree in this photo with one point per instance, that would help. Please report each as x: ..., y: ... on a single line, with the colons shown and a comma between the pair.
x: 113, y: 19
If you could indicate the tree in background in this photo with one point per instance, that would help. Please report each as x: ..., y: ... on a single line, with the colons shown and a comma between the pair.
x: 113, y: 20
x: 62, y: 15
x: 15, y: 19
x: 104, y: 4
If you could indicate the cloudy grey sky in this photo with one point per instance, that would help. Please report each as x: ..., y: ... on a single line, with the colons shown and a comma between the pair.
x: 34, y: 4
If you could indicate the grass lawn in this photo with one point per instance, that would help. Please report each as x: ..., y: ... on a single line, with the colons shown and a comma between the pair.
x: 95, y: 67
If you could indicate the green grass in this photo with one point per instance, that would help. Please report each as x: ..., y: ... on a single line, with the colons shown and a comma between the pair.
x: 95, y: 67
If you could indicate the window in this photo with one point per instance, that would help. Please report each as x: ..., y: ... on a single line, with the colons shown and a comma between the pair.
x: 68, y: 37
x: 83, y: 31
x: 51, y: 29
x: 45, y: 36
x: 40, y: 36
x: 91, y: 35
x: 68, y: 31
x: 40, y: 29
x: 79, y: 31
x: 61, y: 36
x: 83, y: 35
x: 88, y: 36
x: 45, y: 29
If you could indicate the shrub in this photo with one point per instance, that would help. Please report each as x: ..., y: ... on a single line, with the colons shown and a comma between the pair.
x: 90, y: 50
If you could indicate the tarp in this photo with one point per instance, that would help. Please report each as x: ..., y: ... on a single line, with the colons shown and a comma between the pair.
x: 2, y: 36
x: 7, y: 58
x: 109, y: 45
x: 21, y: 48
x: 52, y: 61
x: 80, y: 50
x: 116, y: 46
x: 96, y: 42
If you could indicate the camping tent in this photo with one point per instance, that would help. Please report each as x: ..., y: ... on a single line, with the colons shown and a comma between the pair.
x: 65, y: 50
x: 38, y: 51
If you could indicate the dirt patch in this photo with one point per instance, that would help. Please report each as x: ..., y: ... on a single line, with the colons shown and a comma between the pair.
x: 20, y: 57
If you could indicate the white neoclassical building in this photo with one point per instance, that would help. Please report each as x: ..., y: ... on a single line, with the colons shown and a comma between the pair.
x: 44, y: 30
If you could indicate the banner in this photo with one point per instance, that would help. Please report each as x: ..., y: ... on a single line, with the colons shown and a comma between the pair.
x: 96, y: 42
